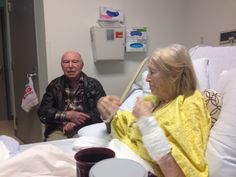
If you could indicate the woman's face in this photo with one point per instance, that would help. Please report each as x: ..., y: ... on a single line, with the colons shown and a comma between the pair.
x: 156, y: 81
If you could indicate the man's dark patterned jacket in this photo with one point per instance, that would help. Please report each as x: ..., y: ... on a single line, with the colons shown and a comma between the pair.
x: 54, y: 101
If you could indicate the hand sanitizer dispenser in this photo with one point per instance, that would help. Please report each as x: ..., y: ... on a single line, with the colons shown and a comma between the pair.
x: 108, y: 43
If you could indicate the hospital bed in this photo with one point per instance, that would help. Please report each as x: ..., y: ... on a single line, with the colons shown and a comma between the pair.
x: 215, y: 68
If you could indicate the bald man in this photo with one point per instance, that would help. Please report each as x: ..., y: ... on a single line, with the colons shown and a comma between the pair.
x: 70, y: 100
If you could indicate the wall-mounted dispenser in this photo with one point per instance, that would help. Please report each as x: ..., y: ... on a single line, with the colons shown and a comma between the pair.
x: 108, y: 43
x: 136, y: 39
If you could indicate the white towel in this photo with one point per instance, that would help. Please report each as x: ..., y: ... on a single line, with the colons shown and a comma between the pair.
x: 89, y: 141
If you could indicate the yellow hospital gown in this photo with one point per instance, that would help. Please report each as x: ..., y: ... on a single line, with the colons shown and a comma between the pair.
x: 186, y: 124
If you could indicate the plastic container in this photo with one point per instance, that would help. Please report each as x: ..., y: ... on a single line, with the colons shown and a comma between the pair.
x: 86, y: 158
x: 118, y: 168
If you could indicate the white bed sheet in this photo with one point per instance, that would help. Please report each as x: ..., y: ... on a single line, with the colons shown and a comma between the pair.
x: 40, y: 160
x: 65, y: 145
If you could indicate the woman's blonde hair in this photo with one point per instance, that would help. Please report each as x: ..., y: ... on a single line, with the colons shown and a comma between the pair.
x: 175, y: 64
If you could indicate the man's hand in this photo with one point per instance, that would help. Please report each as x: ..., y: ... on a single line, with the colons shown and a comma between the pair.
x: 77, y: 117
x: 69, y: 127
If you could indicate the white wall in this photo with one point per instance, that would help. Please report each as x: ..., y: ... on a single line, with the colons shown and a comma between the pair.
x: 207, y: 18
x: 67, y: 24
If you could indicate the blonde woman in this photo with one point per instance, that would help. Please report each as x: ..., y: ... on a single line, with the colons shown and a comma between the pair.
x: 168, y: 129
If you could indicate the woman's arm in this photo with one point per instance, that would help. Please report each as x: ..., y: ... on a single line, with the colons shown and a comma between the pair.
x: 158, y: 147
x: 169, y: 166
x: 155, y: 140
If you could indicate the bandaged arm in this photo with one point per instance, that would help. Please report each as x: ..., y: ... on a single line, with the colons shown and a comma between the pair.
x: 158, y: 146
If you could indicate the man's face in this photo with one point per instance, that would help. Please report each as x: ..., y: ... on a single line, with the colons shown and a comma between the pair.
x: 72, y: 64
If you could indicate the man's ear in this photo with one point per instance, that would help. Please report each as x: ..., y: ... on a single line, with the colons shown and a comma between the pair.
x: 82, y: 65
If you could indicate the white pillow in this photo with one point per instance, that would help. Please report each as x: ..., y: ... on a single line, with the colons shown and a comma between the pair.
x: 200, y: 67
x: 98, y: 130
x: 220, y: 58
x: 145, y: 84
x: 223, y: 81
x: 227, y: 117
x: 128, y: 104
x: 221, y: 150
x: 217, y: 65
x: 89, y: 141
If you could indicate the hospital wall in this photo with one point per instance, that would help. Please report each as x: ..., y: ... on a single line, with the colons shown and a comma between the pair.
x: 188, y: 22
x: 67, y: 25
x: 206, y: 19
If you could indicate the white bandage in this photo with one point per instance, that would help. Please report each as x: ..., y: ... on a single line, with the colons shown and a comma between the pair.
x: 153, y: 138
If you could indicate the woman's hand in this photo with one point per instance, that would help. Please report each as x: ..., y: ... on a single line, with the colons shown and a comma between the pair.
x: 108, y: 105
x: 142, y: 108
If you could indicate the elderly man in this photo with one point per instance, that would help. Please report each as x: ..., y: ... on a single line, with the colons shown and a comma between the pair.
x: 70, y: 100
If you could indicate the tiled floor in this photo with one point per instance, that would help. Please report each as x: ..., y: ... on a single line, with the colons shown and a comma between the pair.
x: 7, y: 128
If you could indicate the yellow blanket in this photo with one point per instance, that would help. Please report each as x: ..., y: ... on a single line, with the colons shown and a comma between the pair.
x: 186, y: 123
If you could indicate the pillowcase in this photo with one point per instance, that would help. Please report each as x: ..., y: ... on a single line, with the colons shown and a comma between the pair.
x: 217, y: 65
x: 220, y: 58
x: 221, y: 149
x: 145, y: 84
x: 228, y: 90
x: 223, y: 81
x: 214, y: 104
x: 200, y: 67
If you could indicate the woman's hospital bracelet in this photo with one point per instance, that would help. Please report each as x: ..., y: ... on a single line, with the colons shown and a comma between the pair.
x: 105, y: 120
x: 109, y: 119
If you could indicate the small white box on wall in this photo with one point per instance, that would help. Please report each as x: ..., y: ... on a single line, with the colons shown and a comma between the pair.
x: 107, y: 13
x: 136, y: 39
x: 108, y: 43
